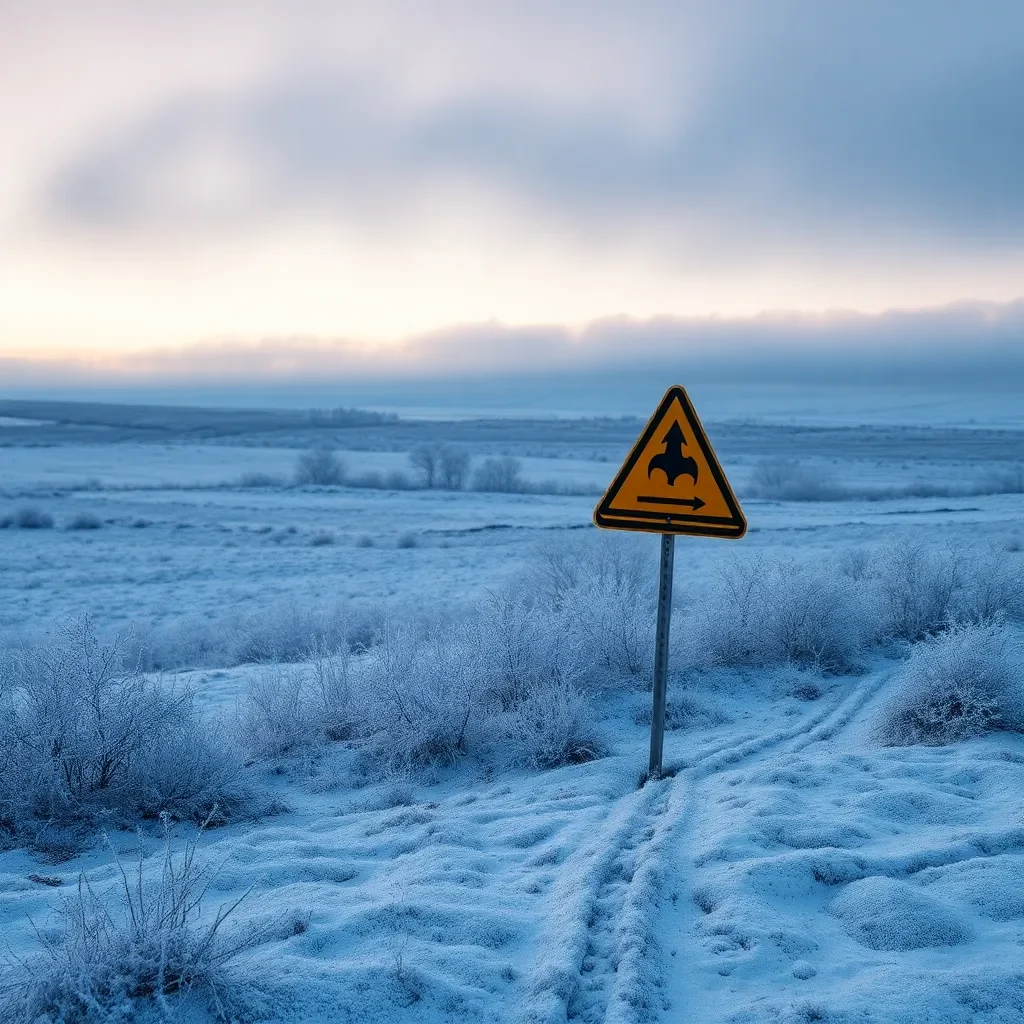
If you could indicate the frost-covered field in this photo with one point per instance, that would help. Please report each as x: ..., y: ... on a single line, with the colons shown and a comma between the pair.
x: 416, y: 720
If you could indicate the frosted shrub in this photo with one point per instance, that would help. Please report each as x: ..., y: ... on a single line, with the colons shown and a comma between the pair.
x: 285, y: 633
x: 329, y: 670
x: 918, y: 588
x: 188, y: 642
x: 416, y: 696
x: 134, y: 946
x: 289, y: 707
x: 855, y: 563
x: 789, y: 480
x: 275, y: 633
x: 426, y: 460
x: 602, y: 589
x: 84, y: 521
x: 279, y: 712
x: 28, y: 517
x: 962, y: 683
x: 552, y: 726
x: 320, y: 466
x: 993, y: 590
x: 1006, y: 481
x: 767, y: 613
x: 81, y: 737
x: 500, y: 474
x: 521, y: 644
x: 531, y: 659
x: 441, y: 465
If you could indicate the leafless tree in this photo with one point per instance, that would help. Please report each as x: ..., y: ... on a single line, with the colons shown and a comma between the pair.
x: 426, y: 458
x: 454, y: 468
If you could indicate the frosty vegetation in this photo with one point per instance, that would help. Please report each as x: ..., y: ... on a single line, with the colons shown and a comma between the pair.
x: 518, y: 679
x: 140, y: 941
x: 27, y: 517
x: 320, y: 466
x: 90, y: 737
x: 962, y: 683
x: 432, y: 466
x: 82, y: 740
x: 792, y: 480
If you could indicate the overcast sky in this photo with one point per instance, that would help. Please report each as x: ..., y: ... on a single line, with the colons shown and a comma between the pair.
x: 230, y: 188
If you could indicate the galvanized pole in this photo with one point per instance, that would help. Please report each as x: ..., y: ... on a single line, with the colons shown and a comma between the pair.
x: 661, y: 654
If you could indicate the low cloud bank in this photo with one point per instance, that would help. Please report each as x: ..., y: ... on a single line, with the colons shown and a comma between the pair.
x: 976, y: 344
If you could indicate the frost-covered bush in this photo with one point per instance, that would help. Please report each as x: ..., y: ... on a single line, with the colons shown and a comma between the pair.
x: 136, y: 946
x: 274, y: 633
x: 425, y: 694
x: 992, y: 589
x: 962, y: 683
x: 320, y: 466
x: 551, y: 726
x: 602, y: 589
x: 789, y: 480
x: 762, y: 612
x: 683, y: 711
x: 1006, y: 481
x: 28, y: 517
x: 501, y: 474
x: 417, y: 695
x: 288, y: 707
x: 918, y: 588
x: 521, y: 646
x: 80, y: 737
x: 284, y: 633
x: 85, y: 521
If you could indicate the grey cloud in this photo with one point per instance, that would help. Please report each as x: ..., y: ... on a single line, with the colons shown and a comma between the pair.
x: 814, y: 119
x: 970, y: 344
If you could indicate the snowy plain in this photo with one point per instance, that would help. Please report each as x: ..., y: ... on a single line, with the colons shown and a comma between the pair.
x: 790, y: 869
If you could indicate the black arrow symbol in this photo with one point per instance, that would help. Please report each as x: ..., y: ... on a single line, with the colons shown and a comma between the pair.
x: 672, y: 462
x: 694, y: 503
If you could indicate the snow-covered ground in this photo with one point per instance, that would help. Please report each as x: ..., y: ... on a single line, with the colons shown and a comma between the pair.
x: 790, y: 869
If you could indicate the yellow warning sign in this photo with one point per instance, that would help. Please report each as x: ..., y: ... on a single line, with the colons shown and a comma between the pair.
x: 671, y: 481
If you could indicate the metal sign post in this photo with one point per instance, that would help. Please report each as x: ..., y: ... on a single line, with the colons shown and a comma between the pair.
x: 668, y: 543
x: 671, y: 483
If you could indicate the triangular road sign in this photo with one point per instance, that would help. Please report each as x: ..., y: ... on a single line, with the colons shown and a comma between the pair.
x: 671, y: 481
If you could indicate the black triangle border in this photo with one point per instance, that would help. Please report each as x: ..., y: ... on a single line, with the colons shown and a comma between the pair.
x: 608, y: 518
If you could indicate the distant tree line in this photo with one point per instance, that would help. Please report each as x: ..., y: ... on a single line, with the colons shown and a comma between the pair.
x: 437, y: 465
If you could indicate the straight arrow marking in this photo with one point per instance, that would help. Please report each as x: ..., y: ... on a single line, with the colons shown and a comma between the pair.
x: 694, y: 503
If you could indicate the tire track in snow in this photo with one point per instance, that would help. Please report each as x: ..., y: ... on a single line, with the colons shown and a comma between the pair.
x: 816, y: 728
x: 823, y: 724
x: 600, y: 960
x: 579, y: 939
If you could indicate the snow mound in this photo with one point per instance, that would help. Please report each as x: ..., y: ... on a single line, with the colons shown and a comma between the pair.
x: 989, y: 884
x: 885, y: 914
